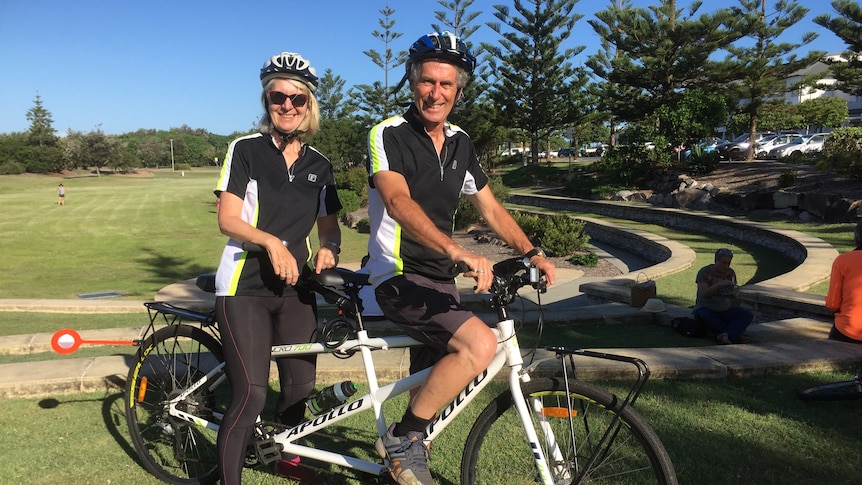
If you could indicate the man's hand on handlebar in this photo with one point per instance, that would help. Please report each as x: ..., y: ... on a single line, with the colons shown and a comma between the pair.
x: 477, y: 267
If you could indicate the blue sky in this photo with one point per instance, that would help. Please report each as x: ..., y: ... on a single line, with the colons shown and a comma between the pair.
x: 119, y: 65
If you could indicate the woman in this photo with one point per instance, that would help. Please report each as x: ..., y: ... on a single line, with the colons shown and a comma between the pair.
x: 273, y: 188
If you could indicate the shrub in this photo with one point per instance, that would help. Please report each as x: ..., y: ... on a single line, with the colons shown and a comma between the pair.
x: 588, y: 259
x: 11, y: 168
x: 842, y: 152
x: 467, y: 213
x: 559, y: 234
x: 787, y: 178
x: 349, y: 201
x: 354, y: 179
x: 701, y: 162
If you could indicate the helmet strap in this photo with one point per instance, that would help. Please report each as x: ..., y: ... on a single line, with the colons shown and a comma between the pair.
x: 286, y: 138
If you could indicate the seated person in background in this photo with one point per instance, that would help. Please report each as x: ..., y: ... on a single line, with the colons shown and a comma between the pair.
x: 845, y: 293
x: 716, y: 303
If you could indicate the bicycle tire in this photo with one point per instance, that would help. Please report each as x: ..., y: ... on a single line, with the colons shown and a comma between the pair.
x: 635, y: 455
x: 834, y: 391
x: 167, y: 363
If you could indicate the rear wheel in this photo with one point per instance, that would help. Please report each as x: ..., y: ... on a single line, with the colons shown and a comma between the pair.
x: 168, y: 363
x: 497, y: 452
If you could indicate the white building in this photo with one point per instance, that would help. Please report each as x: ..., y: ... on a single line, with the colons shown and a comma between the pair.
x: 854, y: 103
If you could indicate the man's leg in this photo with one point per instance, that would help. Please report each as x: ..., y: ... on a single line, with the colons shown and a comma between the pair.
x: 471, y: 349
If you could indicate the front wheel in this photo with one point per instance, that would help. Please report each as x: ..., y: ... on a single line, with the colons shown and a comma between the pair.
x: 168, y: 362
x: 604, y: 442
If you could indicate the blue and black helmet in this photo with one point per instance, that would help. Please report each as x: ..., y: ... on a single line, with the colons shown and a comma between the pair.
x: 441, y: 45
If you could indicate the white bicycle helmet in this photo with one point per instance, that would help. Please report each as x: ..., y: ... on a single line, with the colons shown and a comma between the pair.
x: 289, y: 65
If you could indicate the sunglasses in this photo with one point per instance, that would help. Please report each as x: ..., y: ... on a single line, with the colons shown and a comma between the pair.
x: 297, y: 100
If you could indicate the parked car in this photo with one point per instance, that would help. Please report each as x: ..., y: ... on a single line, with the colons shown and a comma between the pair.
x: 737, y: 149
x: 594, y: 149
x: 551, y: 154
x: 761, y: 148
x: 801, y: 145
x: 566, y: 152
x: 706, y: 146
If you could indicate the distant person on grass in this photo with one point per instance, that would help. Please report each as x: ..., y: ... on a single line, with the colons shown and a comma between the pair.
x: 61, y: 195
x: 717, y: 304
x: 845, y: 293
x: 273, y: 189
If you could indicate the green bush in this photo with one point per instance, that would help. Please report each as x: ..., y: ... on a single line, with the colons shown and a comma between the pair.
x: 355, y: 179
x: 467, y: 214
x: 787, y: 178
x: 701, y: 162
x: 11, y: 168
x: 349, y: 201
x: 588, y: 259
x: 842, y: 152
x: 559, y: 234
x: 182, y: 166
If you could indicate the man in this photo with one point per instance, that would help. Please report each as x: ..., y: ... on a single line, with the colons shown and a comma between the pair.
x: 844, y: 297
x: 419, y: 165
x: 716, y: 298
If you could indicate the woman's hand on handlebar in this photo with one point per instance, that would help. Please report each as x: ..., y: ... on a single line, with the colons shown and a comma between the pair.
x: 325, y: 258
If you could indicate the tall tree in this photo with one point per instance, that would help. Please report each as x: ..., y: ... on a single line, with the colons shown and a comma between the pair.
x: 613, y: 101
x: 848, y: 26
x: 330, y: 95
x: 472, y: 110
x: 762, y: 68
x: 41, y: 132
x: 386, y: 60
x: 653, y: 55
x: 538, y: 89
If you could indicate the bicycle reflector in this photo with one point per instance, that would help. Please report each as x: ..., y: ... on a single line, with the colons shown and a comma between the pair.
x: 559, y: 413
x: 66, y: 341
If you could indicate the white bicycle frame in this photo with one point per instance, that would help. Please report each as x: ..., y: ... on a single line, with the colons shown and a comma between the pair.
x: 508, y: 355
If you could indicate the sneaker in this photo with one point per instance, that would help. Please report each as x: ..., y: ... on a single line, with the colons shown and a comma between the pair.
x: 290, y: 467
x: 408, y: 457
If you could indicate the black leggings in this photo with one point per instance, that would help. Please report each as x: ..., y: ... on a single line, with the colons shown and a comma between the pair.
x: 249, y: 326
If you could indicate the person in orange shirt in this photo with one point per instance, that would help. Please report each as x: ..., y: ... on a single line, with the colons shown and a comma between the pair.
x: 844, y: 298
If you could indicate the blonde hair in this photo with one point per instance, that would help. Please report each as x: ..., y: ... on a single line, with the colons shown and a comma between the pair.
x: 310, y: 123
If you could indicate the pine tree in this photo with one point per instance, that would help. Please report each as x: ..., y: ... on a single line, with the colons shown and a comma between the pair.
x: 538, y: 89
x: 387, y: 60
x: 761, y: 69
x: 847, y: 26
x: 41, y: 132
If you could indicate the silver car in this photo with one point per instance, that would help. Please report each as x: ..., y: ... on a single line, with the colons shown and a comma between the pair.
x: 801, y: 145
x: 761, y: 148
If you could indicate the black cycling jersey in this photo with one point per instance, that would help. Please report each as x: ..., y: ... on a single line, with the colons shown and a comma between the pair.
x: 285, y: 203
x: 436, y: 182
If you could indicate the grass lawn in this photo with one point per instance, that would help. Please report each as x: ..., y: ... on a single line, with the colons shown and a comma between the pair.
x: 139, y: 234
x: 742, y: 431
x: 134, y: 235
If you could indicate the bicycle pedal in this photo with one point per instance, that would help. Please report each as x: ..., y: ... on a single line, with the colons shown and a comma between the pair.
x: 268, y: 451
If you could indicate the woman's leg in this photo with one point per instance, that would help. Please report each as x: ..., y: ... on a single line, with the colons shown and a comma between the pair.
x: 713, y: 320
x: 246, y: 332
x: 295, y: 323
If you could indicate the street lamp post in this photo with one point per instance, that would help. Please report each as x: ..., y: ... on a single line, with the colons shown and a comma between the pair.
x: 172, y: 154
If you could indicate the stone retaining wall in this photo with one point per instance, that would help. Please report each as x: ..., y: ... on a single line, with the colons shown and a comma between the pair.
x: 778, y: 297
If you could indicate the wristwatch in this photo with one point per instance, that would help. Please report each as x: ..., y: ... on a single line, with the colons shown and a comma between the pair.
x: 334, y: 246
x: 536, y: 251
